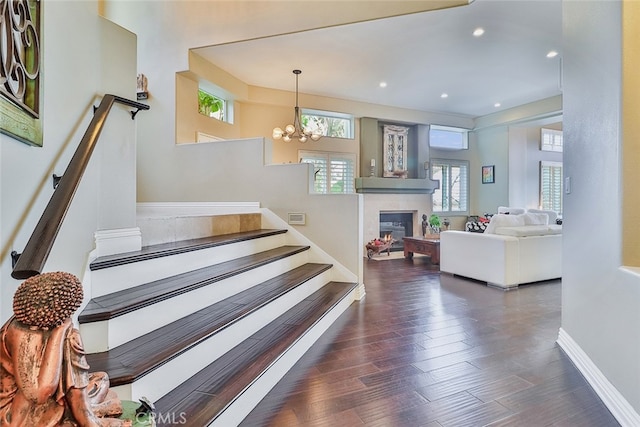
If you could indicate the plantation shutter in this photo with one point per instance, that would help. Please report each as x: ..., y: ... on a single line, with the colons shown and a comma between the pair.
x: 551, y: 186
x: 334, y: 172
x: 342, y: 174
x: 551, y: 140
x: 453, y: 194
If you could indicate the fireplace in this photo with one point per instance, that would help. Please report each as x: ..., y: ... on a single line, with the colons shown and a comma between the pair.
x: 396, y: 225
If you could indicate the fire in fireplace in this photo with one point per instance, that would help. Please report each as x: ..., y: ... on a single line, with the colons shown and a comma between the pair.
x: 396, y: 225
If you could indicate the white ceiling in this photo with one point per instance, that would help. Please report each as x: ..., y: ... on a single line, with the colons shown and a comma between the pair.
x: 419, y: 56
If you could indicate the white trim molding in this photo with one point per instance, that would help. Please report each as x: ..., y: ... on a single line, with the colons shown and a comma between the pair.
x: 610, y: 396
x: 176, y: 209
x: 110, y: 242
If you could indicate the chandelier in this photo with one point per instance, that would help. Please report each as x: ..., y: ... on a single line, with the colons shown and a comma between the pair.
x: 296, y: 130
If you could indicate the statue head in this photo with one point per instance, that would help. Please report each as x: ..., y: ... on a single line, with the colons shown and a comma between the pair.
x: 48, y: 299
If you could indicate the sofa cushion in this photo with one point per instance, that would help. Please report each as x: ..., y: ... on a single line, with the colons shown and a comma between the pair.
x: 531, y: 218
x: 553, y: 215
x: 510, y: 210
x: 504, y: 220
x: 527, y: 230
x: 555, y: 228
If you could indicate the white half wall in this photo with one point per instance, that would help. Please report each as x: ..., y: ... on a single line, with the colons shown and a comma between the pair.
x: 235, y: 171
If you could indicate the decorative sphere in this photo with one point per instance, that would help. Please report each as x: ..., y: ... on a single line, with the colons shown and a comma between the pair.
x: 303, y: 138
x: 290, y: 129
x: 286, y: 138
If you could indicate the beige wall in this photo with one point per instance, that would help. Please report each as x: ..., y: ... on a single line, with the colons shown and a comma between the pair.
x: 189, y: 121
x: 631, y: 134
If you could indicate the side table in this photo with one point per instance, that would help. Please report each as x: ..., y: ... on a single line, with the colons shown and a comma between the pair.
x: 423, y: 245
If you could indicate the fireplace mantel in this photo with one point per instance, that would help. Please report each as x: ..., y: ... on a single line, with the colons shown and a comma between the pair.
x: 396, y: 185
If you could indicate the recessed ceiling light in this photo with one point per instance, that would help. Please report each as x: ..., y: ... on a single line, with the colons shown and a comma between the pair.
x: 444, y: 95
x: 383, y: 84
x: 497, y: 104
x: 552, y: 54
x: 478, y: 32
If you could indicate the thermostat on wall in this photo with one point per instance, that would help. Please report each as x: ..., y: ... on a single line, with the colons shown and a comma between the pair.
x: 297, y: 218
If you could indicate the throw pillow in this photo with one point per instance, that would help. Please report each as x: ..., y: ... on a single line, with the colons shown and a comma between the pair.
x: 535, y: 218
x: 504, y: 220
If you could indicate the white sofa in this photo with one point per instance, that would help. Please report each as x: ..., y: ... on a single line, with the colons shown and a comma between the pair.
x: 515, y: 249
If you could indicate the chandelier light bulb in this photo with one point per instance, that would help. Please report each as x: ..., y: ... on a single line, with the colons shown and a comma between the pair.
x: 296, y: 130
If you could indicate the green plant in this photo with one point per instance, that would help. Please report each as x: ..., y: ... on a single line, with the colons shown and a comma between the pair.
x: 209, y: 105
x: 434, y: 220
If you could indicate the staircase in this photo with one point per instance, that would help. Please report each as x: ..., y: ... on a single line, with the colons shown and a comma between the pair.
x: 205, y: 327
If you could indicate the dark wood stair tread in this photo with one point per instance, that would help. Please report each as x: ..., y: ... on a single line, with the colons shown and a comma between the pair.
x: 173, y: 248
x: 131, y: 360
x: 203, y: 396
x: 118, y: 303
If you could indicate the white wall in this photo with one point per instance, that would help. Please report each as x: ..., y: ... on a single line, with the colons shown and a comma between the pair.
x: 493, y: 149
x: 524, y: 164
x: 77, y: 66
x: 599, y: 300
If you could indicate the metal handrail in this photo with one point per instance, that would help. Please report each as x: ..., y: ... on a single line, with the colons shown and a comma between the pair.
x: 32, y: 259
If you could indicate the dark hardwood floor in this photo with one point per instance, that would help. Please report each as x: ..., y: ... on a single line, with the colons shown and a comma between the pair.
x: 423, y: 349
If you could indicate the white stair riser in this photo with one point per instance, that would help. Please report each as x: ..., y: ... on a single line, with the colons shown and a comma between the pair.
x: 105, y: 335
x: 114, y: 279
x: 244, y: 404
x: 171, y: 374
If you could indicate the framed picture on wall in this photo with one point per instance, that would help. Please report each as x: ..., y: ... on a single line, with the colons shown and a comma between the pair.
x: 488, y: 174
x: 21, y: 71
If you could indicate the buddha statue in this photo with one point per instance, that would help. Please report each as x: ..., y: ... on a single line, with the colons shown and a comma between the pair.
x: 44, y: 376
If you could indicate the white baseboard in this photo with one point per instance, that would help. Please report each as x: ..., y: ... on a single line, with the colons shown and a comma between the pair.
x: 110, y: 242
x: 610, y: 396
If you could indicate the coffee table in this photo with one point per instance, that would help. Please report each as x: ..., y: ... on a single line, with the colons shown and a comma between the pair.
x: 420, y: 245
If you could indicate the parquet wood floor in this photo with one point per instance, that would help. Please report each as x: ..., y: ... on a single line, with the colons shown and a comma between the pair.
x: 424, y: 349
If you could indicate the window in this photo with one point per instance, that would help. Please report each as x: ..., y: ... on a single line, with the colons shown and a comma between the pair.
x: 551, y: 186
x: 334, y: 172
x: 448, y: 138
x: 551, y: 140
x: 453, y: 195
x: 335, y: 125
x: 212, y: 106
